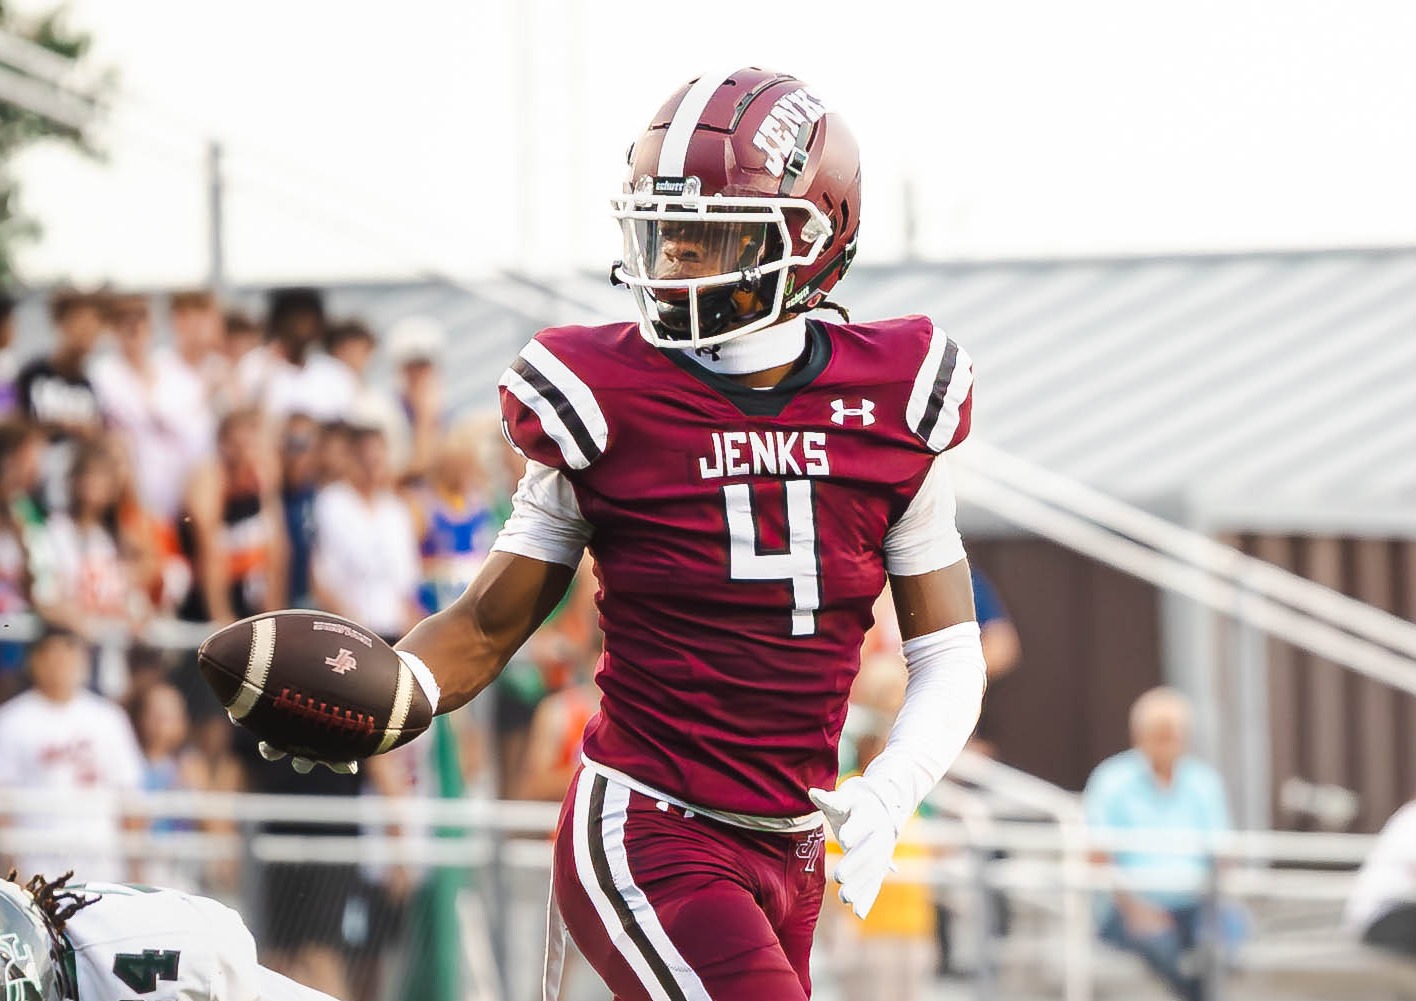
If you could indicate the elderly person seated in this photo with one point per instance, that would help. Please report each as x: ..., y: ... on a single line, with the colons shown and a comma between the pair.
x: 1158, y: 908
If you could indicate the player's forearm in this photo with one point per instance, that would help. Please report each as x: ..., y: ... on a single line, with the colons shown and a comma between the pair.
x: 466, y: 645
x: 461, y: 656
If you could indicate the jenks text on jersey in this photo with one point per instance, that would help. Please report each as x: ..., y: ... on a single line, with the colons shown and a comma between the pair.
x: 766, y: 453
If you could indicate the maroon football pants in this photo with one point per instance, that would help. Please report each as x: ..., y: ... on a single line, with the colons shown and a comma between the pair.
x: 668, y: 905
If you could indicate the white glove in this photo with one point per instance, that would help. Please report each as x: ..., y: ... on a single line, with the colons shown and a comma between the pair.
x: 306, y: 765
x: 867, y: 833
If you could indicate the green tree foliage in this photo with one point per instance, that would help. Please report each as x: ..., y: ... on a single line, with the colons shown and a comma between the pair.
x: 22, y: 126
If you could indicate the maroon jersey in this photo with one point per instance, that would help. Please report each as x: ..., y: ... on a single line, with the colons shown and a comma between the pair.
x: 738, y: 538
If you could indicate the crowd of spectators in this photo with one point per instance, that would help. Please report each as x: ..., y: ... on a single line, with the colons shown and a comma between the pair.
x: 231, y: 464
x: 167, y: 465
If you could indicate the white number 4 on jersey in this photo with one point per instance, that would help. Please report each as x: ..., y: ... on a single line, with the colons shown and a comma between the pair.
x: 798, y: 564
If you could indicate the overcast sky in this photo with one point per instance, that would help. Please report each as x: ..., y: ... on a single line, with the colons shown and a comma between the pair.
x: 382, y: 139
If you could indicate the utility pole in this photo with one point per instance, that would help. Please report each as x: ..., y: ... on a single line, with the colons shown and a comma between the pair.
x: 216, y: 230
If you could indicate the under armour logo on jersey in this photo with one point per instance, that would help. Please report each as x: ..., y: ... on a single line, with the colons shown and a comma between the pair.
x: 342, y: 662
x: 866, y: 412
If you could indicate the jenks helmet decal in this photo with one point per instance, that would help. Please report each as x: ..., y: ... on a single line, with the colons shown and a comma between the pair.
x: 742, y: 205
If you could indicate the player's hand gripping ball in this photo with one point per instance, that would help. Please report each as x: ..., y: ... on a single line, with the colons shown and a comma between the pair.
x: 318, y: 687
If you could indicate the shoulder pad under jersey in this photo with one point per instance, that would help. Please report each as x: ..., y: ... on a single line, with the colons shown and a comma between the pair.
x: 549, y: 412
x: 940, y: 407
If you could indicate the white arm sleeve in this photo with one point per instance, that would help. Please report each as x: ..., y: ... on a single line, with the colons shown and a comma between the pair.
x: 545, y: 523
x: 942, y: 700
x: 925, y: 538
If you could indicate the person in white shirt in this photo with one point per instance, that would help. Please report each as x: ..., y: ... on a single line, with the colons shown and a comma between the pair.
x: 365, y: 564
x: 247, y: 360
x: 416, y: 345
x: 298, y: 376
x: 197, y: 334
x: 1382, y: 907
x: 58, y: 738
x: 113, y: 942
x: 159, y: 405
x: 351, y: 346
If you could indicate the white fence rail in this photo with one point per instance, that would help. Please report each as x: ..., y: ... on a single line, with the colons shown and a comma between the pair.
x: 1045, y: 864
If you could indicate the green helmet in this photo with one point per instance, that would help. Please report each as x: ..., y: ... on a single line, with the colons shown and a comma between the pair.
x: 28, y: 969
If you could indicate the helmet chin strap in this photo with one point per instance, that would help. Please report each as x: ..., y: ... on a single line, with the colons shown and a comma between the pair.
x: 780, y: 344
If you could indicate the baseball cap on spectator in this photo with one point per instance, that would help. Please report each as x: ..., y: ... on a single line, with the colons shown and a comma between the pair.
x: 414, y: 339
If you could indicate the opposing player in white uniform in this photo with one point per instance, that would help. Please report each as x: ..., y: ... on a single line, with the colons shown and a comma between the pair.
x: 117, y: 942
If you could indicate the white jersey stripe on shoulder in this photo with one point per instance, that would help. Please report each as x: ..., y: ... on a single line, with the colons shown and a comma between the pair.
x: 675, y: 149
x: 958, y: 391
x: 550, y: 419
x: 924, y: 379
x: 577, y: 394
x: 940, y: 387
x: 589, y: 882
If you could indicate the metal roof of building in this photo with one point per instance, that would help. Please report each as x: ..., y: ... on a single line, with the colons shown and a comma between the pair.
x: 1267, y: 390
x: 1273, y: 390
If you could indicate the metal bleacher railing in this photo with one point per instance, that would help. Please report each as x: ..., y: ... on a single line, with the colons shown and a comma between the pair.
x: 1259, y: 598
x: 1368, y: 640
x: 1016, y: 837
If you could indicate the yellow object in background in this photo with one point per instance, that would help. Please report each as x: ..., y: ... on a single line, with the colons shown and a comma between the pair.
x: 903, y: 909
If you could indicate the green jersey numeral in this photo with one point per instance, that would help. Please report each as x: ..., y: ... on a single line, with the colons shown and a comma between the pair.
x: 142, y: 970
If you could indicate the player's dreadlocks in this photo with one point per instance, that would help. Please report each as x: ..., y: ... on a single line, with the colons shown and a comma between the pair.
x: 54, y: 899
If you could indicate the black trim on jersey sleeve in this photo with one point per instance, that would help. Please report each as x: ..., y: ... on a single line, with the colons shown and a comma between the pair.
x: 930, y: 421
x: 941, y: 399
x: 578, y: 431
x: 549, y: 413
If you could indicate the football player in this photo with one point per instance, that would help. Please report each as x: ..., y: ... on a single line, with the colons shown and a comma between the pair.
x: 113, y: 942
x: 745, y: 477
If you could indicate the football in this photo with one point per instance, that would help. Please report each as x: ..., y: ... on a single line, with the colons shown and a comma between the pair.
x: 315, y: 685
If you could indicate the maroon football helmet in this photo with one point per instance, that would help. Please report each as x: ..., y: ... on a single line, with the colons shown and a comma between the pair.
x: 741, y: 206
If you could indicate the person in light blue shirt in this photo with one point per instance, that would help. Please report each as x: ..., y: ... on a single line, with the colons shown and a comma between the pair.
x: 1159, y: 909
